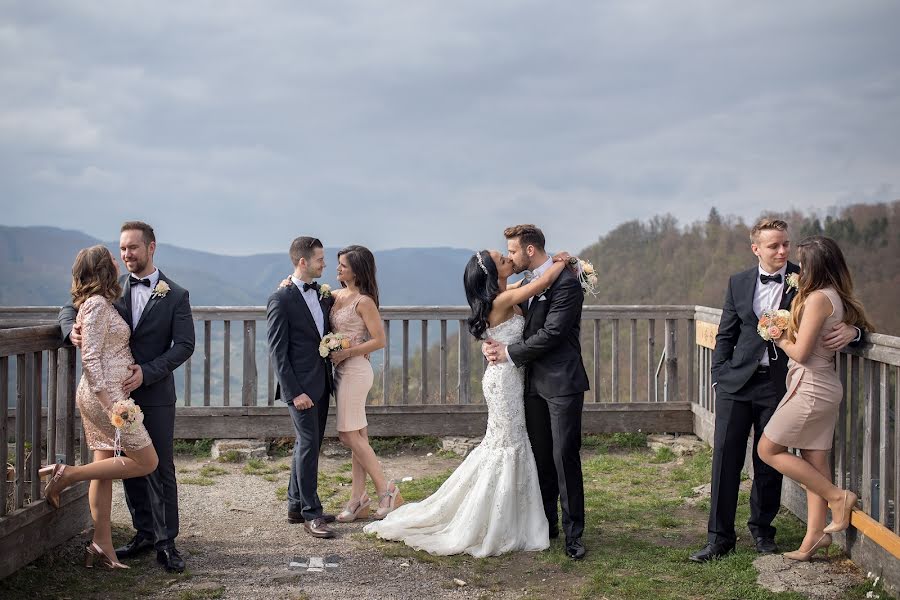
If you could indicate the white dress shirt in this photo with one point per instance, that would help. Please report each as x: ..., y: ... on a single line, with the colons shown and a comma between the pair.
x: 768, y: 296
x: 538, y: 272
x: 311, y: 296
x: 140, y: 296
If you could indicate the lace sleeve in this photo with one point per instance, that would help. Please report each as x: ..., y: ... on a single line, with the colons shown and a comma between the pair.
x: 95, y: 320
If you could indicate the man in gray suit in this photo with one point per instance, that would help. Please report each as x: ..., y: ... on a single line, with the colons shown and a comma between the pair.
x: 158, y: 311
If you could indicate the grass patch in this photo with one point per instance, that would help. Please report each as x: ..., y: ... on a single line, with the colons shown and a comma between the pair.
x: 212, y: 471
x: 61, y: 574
x: 266, y: 470
x: 281, y: 447
x: 395, y: 445
x: 663, y: 455
x: 281, y: 493
x: 202, y: 594
x: 639, y: 534
x: 201, y: 448
x: 231, y: 456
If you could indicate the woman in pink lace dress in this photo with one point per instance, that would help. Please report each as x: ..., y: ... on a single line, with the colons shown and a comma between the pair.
x: 355, y: 314
x: 105, y: 358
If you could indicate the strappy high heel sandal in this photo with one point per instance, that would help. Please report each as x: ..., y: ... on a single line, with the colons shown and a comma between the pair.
x: 94, y: 553
x: 54, y: 483
x: 350, y: 514
x: 396, y: 500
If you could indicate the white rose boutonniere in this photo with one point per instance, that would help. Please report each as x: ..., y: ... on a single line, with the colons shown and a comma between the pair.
x: 324, y: 291
x: 162, y: 288
x: 793, y: 281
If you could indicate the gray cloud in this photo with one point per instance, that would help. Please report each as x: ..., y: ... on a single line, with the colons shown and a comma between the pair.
x: 233, y: 126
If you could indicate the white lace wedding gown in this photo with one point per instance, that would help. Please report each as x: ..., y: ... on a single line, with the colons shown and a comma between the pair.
x: 491, y: 504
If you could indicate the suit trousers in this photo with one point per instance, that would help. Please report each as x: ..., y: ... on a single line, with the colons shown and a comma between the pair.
x: 752, y: 406
x: 309, y: 426
x: 554, y: 430
x: 153, y: 499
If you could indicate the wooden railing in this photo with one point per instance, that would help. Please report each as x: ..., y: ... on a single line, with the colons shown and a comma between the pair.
x: 866, y: 451
x: 43, y: 432
x: 631, y: 354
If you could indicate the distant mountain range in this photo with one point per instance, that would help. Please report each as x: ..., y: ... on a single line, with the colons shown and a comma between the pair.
x: 36, y: 267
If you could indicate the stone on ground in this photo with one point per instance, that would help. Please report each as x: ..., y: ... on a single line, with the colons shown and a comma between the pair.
x: 818, y: 579
x: 246, y: 448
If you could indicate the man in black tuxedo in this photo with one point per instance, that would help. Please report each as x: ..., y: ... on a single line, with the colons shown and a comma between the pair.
x: 162, y: 337
x: 749, y: 377
x: 555, y: 382
x: 298, y: 317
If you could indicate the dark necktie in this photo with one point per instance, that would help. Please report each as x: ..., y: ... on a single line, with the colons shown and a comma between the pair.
x: 136, y: 281
x: 314, y: 285
x: 770, y: 278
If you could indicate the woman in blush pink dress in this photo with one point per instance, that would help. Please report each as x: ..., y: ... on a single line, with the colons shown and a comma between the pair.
x: 105, y: 358
x: 355, y: 314
x: 806, y: 416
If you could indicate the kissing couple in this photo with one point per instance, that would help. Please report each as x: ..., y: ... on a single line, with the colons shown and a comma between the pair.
x: 504, y: 496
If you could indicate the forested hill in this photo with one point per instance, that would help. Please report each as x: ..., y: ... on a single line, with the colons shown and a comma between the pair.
x: 661, y: 262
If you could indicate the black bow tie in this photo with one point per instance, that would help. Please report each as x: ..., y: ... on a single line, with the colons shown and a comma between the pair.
x: 314, y: 285
x: 136, y: 281
x: 769, y: 278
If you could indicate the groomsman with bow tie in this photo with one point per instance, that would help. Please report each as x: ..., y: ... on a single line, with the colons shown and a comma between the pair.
x: 162, y: 337
x: 749, y: 378
x: 298, y: 317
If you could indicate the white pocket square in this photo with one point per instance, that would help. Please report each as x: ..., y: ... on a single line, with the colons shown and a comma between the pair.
x: 542, y: 298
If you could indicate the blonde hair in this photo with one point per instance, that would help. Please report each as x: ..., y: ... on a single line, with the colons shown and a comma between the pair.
x: 823, y: 267
x: 764, y: 224
x: 94, y: 274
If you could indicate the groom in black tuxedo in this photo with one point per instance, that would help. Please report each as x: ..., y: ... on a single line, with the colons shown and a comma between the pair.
x: 555, y: 382
x: 298, y: 317
x: 158, y: 311
x: 749, y: 377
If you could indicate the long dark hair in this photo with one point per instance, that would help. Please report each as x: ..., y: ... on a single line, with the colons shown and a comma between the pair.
x: 362, y: 263
x: 823, y: 266
x: 481, y: 285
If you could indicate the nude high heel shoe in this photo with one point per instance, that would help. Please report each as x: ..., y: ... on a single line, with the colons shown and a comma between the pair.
x: 806, y: 555
x: 393, y: 492
x: 54, y: 483
x: 841, y: 521
x: 94, y: 553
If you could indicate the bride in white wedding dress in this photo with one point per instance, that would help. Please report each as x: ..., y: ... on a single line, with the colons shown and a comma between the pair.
x: 492, y: 503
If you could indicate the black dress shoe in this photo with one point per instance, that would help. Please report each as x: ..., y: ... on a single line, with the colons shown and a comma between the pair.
x: 766, y: 545
x: 318, y: 528
x: 171, y: 559
x: 139, y: 544
x: 712, y: 552
x: 296, y: 517
x: 575, y: 549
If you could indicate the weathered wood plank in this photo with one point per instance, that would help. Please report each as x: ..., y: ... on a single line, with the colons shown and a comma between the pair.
x: 404, y: 366
x: 884, y: 438
x: 226, y: 365
x: 386, y: 366
x: 614, y: 362
x: 598, y: 391
x: 443, y: 366
x: 249, y: 388
x: 35, y: 422
x: 651, y: 360
x: 633, y: 362
x: 4, y: 429
x: 469, y: 420
x: 21, y: 340
x: 463, y: 364
x: 21, y: 420
x: 423, y: 374
x: 671, y: 393
x: 34, y: 530
x: 52, y: 386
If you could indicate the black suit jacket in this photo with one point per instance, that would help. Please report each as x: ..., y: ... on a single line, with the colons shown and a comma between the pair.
x: 294, y: 346
x: 738, y: 345
x: 551, y: 350
x: 160, y: 342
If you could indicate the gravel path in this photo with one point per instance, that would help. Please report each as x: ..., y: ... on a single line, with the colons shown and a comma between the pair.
x: 240, y: 545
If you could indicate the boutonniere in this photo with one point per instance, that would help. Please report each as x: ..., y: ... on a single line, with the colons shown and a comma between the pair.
x: 793, y: 281
x: 324, y: 291
x: 162, y: 288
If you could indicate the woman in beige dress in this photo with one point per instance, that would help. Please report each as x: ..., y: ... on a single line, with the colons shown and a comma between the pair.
x: 806, y: 416
x: 355, y: 314
x: 105, y: 358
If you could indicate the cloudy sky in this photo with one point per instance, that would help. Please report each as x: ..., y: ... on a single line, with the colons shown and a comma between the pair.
x: 234, y: 126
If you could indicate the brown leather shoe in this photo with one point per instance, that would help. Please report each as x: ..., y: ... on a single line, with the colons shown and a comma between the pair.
x: 318, y: 528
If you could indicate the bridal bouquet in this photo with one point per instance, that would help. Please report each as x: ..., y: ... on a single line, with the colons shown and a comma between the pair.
x: 772, y: 324
x: 124, y: 415
x: 587, y: 276
x: 331, y: 342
